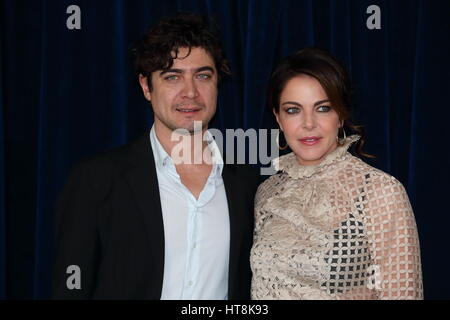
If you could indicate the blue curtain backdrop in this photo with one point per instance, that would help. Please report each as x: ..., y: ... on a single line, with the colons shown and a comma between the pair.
x: 2, y: 188
x: 66, y: 94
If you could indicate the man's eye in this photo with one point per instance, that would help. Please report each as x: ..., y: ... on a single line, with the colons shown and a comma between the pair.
x: 171, y: 78
x: 324, y: 108
x: 292, y: 110
x: 204, y: 76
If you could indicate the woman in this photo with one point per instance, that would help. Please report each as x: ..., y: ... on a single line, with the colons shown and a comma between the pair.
x: 328, y: 226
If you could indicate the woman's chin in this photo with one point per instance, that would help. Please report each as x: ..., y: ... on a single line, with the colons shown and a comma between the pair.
x: 310, y: 157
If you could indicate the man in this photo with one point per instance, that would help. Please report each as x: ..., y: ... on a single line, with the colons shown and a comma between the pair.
x: 137, y: 223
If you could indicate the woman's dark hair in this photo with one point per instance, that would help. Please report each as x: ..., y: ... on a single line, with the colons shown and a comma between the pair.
x: 333, y: 78
x: 161, y: 43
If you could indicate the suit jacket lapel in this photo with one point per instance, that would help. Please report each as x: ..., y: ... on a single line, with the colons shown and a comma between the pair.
x: 142, y: 178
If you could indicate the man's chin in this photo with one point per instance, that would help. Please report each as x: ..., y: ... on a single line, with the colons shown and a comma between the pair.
x: 195, y: 126
x: 190, y: 129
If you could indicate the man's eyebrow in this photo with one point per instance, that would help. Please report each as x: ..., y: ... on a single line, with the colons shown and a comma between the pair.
x: 179, y: 71
x: 170, y: 71
x: 206, y: 68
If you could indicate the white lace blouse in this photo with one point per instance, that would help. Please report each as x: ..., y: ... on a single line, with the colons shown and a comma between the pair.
x: 337, y: 230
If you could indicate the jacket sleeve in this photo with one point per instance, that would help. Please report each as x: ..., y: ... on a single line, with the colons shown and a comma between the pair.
x: 76, y: 238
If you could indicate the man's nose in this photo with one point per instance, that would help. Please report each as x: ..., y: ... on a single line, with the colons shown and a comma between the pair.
x: 190, y: 89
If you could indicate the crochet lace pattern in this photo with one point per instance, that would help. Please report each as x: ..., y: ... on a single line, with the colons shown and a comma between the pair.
x: 337, y: 230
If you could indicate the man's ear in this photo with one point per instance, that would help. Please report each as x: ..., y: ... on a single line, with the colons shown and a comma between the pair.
x: 145, y: 89
x: 277, y: 116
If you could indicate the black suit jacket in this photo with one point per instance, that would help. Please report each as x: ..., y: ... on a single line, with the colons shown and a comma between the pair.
x: 109, y: 223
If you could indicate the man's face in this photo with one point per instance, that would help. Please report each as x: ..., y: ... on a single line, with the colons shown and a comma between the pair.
x: 185, y: 93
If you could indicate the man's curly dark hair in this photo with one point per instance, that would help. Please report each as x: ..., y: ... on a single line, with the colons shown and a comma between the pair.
x: 161, y: 43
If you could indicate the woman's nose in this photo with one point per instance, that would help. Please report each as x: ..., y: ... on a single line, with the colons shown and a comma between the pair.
x: 309, y: 121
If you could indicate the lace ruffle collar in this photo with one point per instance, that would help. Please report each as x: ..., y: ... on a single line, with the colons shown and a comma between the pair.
x: 289, y: 164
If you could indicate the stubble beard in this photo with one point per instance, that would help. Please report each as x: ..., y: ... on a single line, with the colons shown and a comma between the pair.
x: 188, y: 126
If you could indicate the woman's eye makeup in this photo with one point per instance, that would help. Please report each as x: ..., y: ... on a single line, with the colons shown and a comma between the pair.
x: 292, y: 110
x: 296, y: 109
x: 323, y: 108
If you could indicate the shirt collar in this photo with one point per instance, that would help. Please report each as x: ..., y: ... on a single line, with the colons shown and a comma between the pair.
x: 163, y: 159
x: 217, y: 158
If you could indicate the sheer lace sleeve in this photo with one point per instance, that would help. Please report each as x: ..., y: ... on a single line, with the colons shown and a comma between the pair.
x: 391, y: 228
x: 258, y: 214
x: 262, y: 194
x: 269, y: 188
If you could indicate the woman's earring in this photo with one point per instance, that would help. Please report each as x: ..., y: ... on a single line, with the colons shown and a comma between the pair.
x: 278, y: 142
x: 341, y: 141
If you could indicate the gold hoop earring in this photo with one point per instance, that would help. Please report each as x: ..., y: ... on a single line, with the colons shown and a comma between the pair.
x: 278, y: 142
x: 341, y: 141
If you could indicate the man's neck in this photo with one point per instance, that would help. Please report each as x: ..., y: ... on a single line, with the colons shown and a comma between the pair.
x: 177, y: 145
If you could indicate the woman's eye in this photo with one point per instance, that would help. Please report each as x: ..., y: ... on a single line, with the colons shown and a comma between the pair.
x: 292, y: 110
x: 324, y: 108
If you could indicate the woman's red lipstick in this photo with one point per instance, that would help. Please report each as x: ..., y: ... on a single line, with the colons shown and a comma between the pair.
x: 310, y: 141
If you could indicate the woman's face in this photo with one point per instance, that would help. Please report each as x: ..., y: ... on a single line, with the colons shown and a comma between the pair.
x: 307, y: 120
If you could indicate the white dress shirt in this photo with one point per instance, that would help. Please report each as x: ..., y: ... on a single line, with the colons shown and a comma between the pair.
x: 196, y: 231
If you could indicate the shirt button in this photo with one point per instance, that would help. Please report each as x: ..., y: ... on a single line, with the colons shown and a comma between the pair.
x: 190, y: 283
x: 194, y: 246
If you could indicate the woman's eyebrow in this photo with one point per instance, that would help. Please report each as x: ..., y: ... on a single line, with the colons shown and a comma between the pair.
x: 291, y: 102
x: 321, y: 101
x: 299, y: 104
